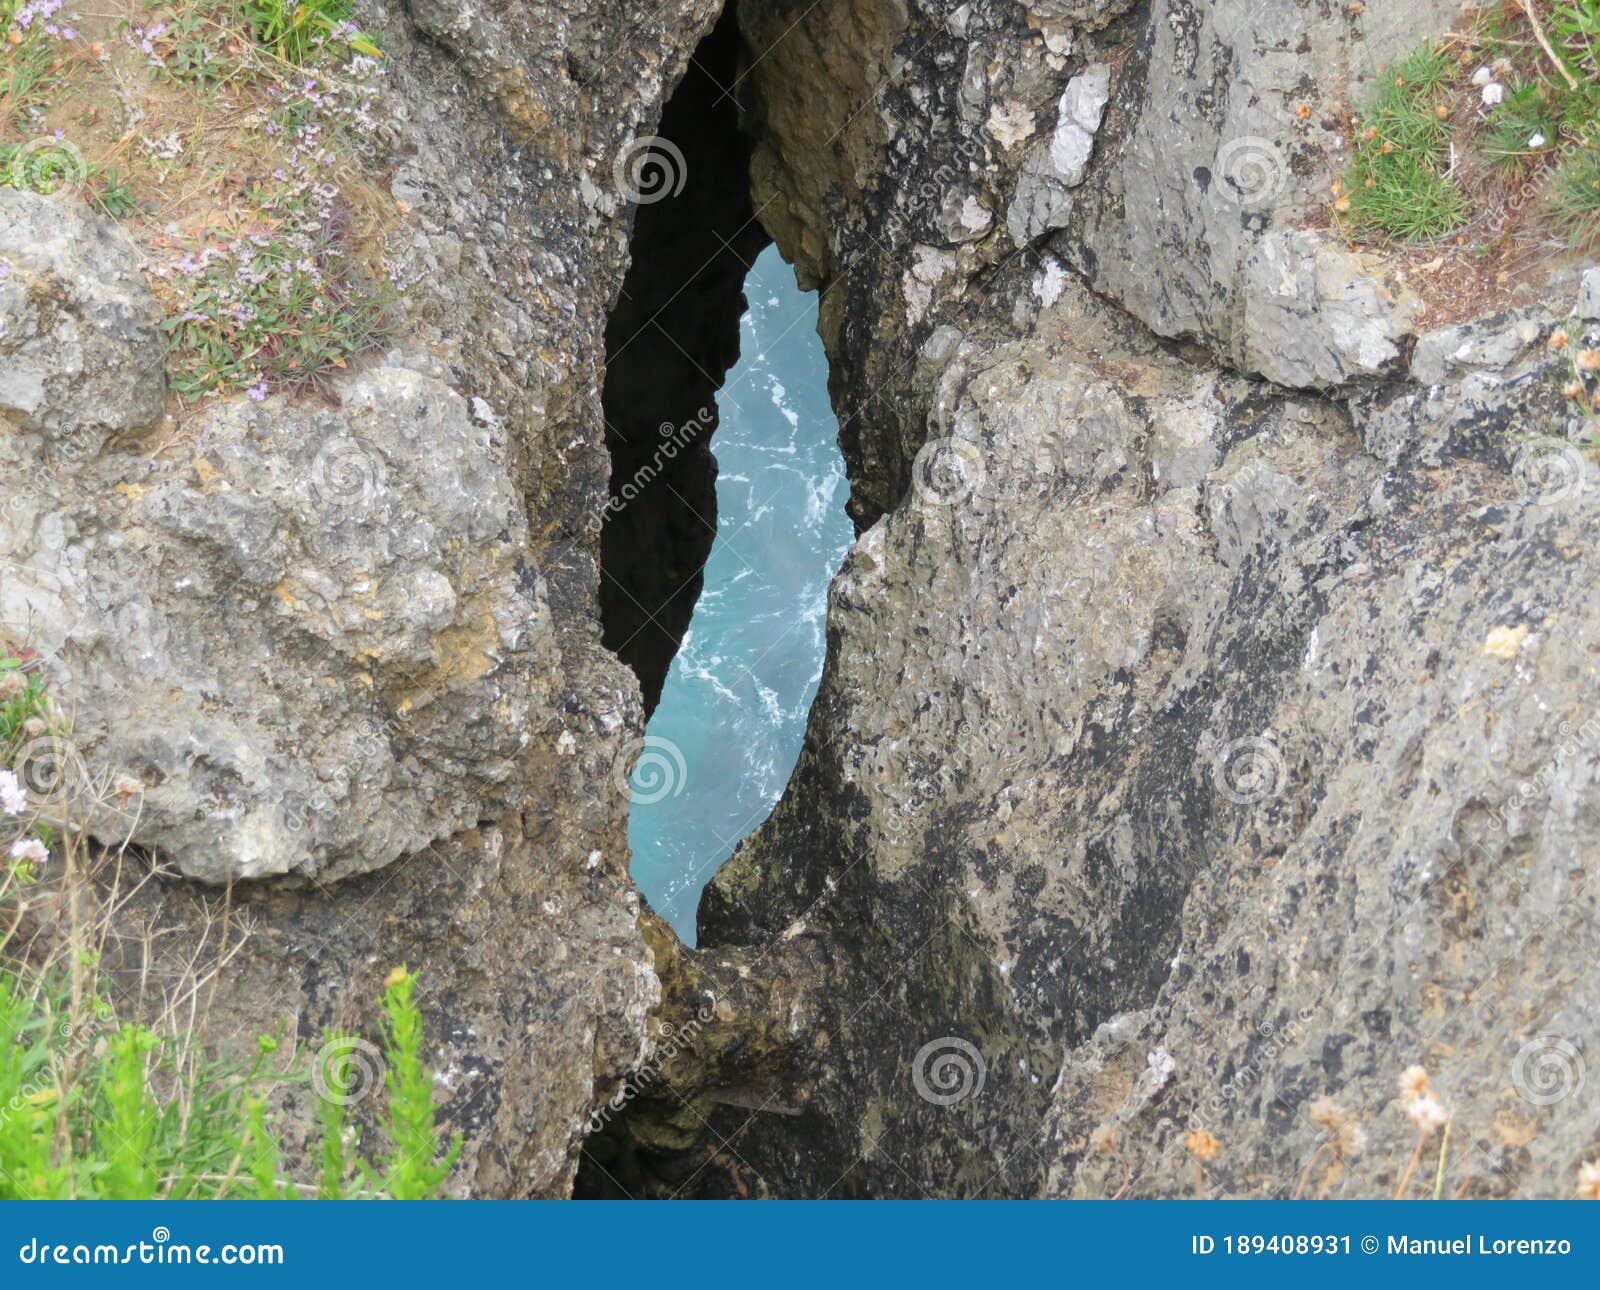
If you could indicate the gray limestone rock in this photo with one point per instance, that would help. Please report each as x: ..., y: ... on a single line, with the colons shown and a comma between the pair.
x: 81, y: 354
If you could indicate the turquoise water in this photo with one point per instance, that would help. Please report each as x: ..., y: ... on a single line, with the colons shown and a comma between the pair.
x: 722, y: 742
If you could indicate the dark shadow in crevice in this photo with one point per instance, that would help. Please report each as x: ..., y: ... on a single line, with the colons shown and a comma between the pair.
x: 670, y: 340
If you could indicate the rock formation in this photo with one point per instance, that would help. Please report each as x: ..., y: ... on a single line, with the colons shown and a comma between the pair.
x: 1205, y: 732
x: 1203, y: 738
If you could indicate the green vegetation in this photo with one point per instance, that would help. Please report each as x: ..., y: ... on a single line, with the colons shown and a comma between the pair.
x: 31, y: 40
x: 1576, y: 198
x: 1503, y: 120
x: 241, y: 172
x: 94, y: 1105
x: 294, y: 29
x: 1397, y: 182
x: 109, y: 1109
x: 278, y: 308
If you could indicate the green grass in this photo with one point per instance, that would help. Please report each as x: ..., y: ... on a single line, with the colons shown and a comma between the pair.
x: 1575, y: 198
x: 22, y: 700
x: 105, y: 1109
x: 1397, y: 183
x: 277, y: 308
x: 1537, y: 148
x: 25, y: 65
x: 94, y: 1105
x: 1527, y: 114
x: 1560, y: 105
x: 297, y: 29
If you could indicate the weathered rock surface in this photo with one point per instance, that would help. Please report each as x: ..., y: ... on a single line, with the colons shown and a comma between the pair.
x: 1203, y: 732
x: 317, y: 649
x: 352, y: 640
x: 81, y: 353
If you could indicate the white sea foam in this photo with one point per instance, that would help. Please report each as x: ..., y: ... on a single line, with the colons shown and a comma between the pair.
x: 738, y: 694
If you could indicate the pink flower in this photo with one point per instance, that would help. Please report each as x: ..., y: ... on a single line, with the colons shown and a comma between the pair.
x: 12, y: 799
x: 30, y: 849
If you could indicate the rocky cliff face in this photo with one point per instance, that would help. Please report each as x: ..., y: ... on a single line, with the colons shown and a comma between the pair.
x: 1204, y: 737
x: 350, y: 641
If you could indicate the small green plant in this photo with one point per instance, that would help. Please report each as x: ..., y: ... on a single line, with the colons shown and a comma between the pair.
x: 1545, y: 128
x: 189, y: 48
x: 113, y: 194
x: 278, y: 307
x: 1398, y: 183
x: 1575, y: 198
x: 413, y: 1168
x: 297, y: 29
x: 117, y: 1111
x: 92, y: 1105
x: 31, y: 39
x: 22, y: 700
x: 1521, y: 129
